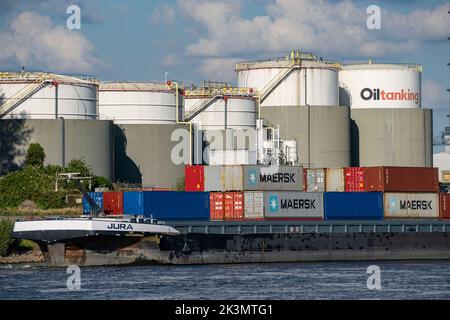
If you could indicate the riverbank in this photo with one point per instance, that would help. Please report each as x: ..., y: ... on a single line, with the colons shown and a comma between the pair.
x: 31, y: 256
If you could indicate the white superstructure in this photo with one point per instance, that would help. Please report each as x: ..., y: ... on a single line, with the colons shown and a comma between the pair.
x: 48, y: 96
x: 138, y: 102
x: 374, y: 85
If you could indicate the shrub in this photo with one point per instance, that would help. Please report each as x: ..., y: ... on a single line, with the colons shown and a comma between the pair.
x: 6, y: 240
x: 35, y: 155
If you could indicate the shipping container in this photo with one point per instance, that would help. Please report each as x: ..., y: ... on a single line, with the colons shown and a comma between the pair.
x: 273, y: 178
x: 444, y: 204
x: 234, y: 205
x: 216, y: 204
x: 354, y: 179
x: 401, y: 179
x: 314, y: 180
x: 353, y: 205
x: 194, y: 178
x: 411, y: 205
x: 113, y: 203
x: 213, y: 178
x: 334, y: 180
x: 293, y: 205
x: 232, y: 178
x: 253, y: 205
x: 133, y: 202
x: 98, y: 199
x: 168, y: 205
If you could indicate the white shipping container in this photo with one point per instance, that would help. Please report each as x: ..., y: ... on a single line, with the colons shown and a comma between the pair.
x: 334, y: 180
x: 253, y: 205
x: 232, y: 178
x: 411, y: 205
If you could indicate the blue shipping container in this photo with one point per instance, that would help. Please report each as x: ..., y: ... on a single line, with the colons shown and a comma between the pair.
x: 98, y: 199
x: 133, y: 202
x: 353, y: 205
x: 170, y: 205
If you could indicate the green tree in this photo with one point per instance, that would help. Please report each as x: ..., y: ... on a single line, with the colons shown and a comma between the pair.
x: 6, y: 240
x: 35, y: 155
x: 180, y: 184
x: 80, y: 166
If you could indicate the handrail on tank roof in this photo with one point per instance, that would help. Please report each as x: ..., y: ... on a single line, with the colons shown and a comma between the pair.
x: 31, y: 74
x: 415, y: 67
x: 225, y: 91
x: 295, y: 57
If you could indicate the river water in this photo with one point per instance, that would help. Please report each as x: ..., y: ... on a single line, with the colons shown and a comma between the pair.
x: 324, y: 280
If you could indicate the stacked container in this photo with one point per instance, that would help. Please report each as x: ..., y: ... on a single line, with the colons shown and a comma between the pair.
x: 98, y: 199
x: 113, y: 203
x: 314, y: 180
x: 354, y: 179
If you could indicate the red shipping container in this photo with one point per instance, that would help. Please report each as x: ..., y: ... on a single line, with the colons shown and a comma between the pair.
x: 354, y: 179
x: 194, y: 178
x: 401, y: 179
x: 234, y: 205
x: 216, y: 206
x: 113, y: 203
x: 444, y: 206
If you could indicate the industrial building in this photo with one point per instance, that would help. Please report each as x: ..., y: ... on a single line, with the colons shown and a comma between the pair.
x: 298, y: 109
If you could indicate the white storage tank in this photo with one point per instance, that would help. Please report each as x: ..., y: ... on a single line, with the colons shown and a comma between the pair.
x: 373, y: 85
x: 70, y: 97
x: 138, y: 102
x: 284, y: 81
x: 221, y: 108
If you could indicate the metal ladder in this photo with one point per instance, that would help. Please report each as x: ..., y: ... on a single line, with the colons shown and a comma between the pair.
x: 22, y: 95
x: 275, y: 82
x: 202, y: 105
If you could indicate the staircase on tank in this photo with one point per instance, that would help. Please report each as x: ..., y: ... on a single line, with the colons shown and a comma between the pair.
x: 22, y: 95
x: 199, y: 107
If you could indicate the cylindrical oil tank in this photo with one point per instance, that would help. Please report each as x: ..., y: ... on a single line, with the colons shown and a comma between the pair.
x: 285, y: 80
x: 69, y: 97
x: 227, y: 112
x: 62, y: 140
x: 322, y: 133
x: 138, y: 102
x: 392, y: 137
x: 374, y: 85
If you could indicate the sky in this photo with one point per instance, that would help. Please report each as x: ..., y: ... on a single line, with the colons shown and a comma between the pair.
x: 196, y: 40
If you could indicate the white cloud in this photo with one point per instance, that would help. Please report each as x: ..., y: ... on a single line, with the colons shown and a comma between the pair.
x: 35, y: 42
x: 218, y: 69
x: 314, y: 25
x: 170, y: 60
x: 434, y: 94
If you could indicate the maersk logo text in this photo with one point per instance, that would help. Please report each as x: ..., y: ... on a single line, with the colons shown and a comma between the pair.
x: 278, y: 178
x: 298, y: 204
x: 273, y: 203
x: 415, y: 205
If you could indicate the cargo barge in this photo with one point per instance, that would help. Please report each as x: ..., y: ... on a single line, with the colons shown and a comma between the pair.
x: 122, y: 242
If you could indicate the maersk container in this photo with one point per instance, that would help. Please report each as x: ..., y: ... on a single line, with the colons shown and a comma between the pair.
x: 133, y: 202
x: 293, y: 205
x: 401, y: 179
x: 273, y: 178
x: 98, y: 199
x: 353, y: 205
x: 314, y: 180
x: 411, y: 205
x: 253, y: 205
x: 169, y: 205
x: 334, y: 179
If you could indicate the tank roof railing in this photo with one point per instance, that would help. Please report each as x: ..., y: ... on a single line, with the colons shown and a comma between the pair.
x: 225, y: 91
x: 294, y: 57
x: 362, y: 65
x: 32, y: 75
